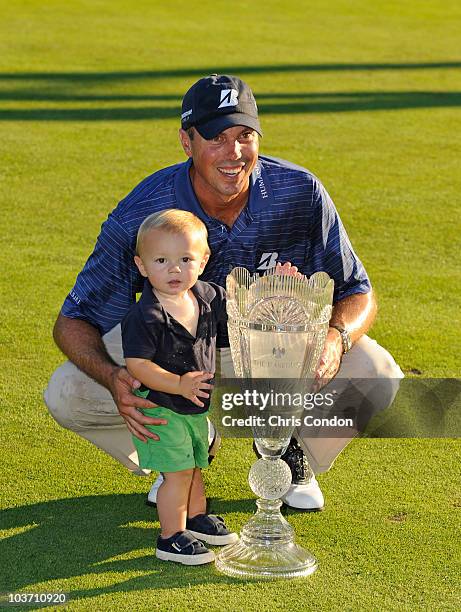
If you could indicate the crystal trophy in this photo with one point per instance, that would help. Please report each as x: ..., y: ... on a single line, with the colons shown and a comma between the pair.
x: 277, y: 329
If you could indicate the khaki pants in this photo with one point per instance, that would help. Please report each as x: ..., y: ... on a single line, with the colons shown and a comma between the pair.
x: 80, y: 404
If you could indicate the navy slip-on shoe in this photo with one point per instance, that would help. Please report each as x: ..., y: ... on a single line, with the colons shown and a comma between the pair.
x: 211, y: 529
x: 183, y: 547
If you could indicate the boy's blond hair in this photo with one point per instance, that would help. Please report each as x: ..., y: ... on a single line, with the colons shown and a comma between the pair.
x: 174, y: 221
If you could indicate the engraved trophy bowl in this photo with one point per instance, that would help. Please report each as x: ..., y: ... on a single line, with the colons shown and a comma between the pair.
x: 277, y: 328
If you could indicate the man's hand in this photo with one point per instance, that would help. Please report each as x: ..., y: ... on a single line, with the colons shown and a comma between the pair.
x: 192, y: 385
x: 121, y: 386
x: 330, y: 360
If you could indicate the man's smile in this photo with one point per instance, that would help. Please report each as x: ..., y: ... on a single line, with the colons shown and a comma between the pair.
x: 231, y: 171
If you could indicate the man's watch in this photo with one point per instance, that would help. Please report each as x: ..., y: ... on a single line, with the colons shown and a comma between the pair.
x: 345, y: 338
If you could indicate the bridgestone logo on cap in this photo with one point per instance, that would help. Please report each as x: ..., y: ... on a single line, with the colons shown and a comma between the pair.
x: 229, y: 97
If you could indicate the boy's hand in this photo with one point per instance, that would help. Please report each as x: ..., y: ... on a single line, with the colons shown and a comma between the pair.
x: 192, y: 385
x: 121, y: 387
x: 287, y: 269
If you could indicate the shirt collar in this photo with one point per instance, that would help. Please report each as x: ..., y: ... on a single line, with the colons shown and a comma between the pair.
x: 148, y: 302
x: 185, y: 195
x: 260, y: 189
x: 204, y: 293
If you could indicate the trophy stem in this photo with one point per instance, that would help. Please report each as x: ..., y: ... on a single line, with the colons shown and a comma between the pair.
x: 267, y: 525
x: 266, y: 549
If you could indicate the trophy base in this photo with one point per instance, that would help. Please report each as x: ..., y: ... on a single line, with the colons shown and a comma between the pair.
x: 265, y: 563
x: 266, y: 549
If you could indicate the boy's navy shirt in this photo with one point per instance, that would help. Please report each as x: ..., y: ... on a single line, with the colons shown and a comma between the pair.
x: 289, y: 217
x: 150, y: 332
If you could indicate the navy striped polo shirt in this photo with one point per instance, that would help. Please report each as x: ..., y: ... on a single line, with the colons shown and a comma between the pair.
x: 289, y: 217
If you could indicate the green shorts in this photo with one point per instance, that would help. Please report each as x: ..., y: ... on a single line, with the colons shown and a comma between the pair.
x: 183, y: 443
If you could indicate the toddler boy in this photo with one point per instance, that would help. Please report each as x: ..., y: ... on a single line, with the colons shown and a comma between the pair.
x: 169, y: 343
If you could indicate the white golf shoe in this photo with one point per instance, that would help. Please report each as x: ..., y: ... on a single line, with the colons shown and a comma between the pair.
x: 305, y: 497
x: 152, y: 495
x: 304, y: 493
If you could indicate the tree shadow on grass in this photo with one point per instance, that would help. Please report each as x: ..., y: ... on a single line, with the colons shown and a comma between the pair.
x: 97, y: 88
x: 85, y: 536
x: 275, y: 104
x: 199, y: 71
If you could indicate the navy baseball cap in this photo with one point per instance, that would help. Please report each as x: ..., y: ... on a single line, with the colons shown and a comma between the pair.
x: 218, y: 102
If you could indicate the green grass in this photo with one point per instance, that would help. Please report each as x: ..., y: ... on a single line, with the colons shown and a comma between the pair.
x: 367, y: 96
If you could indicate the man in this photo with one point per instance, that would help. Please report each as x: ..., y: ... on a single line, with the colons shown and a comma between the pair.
x: 259, y: 211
